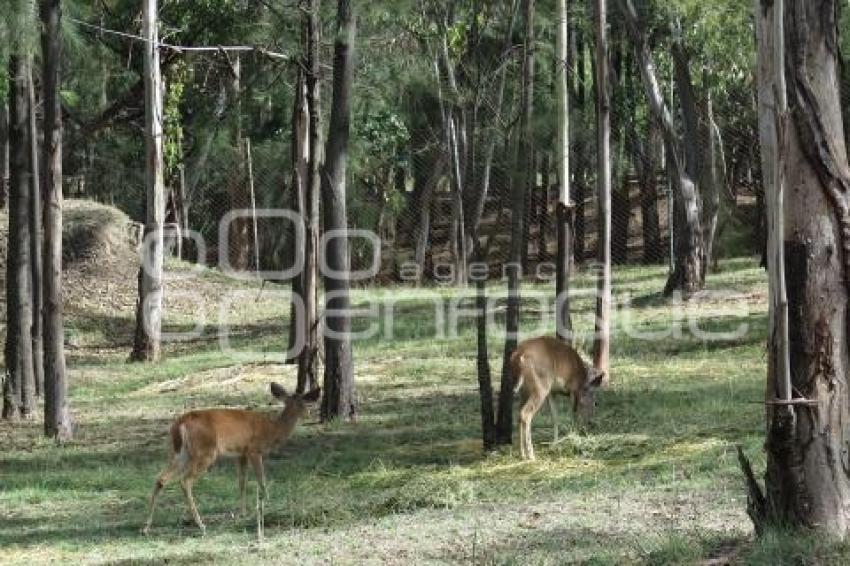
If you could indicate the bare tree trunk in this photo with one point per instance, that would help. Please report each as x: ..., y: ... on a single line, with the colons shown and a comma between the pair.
x: 338, y: 401
x: 19, y: 386
x: 36, y: 240
x: 580, y: 158
x: 806, y: 479
x: 57, y: 416
x: 300, y: 163
x: 4, y: 153
x: 601, y: 341
x: 621, y: 207
x: 565, y: 209
x: 647, y: 166
x: 307, y: 361
x: 425, y: 201
x: 543, y: 220
x: 147, y: 345
x: 712, y: 179
x: 485, y: 380
x: 255, y: 237
x: 690, y: 111
x: 239, y: 233
x: 519, y: 187
x: 687, y: 274
x: 453, y: 119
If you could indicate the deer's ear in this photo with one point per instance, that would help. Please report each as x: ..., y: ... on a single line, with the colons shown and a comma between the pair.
x: 278, y: 391
x: 313, y: 395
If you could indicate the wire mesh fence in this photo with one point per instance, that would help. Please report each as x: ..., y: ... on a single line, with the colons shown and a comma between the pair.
x: 434, y: 159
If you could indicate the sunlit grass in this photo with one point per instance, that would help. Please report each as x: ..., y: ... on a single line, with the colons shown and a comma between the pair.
x: 654, y: 480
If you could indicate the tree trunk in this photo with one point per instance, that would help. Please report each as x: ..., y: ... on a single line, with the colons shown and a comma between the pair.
x: 307, y: 361
x: 543, y: 221
x: 601, y: 341
x: 147, y: 345
x: 621, y: 207
x: 300, y: 163
x: 564, y: 211
x: 425, y: 202
x: 4, y: 153
x: 57, y: 416
x: 690, y: 112
x: 239, y: 232
x: 687, y: 275
x: 19, y: 386
x: 36, y: 239
x: 520, y: 185
x: 338, y: 401
x: 580, y: 157
x: 453, y: 120
x: 712, y: 180
x: 647, y: 166
x: 806, y: 479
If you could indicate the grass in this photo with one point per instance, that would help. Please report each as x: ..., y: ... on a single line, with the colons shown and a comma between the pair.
x: 654, y: 481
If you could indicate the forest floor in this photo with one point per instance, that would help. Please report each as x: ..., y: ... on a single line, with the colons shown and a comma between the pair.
x: 655, y: 479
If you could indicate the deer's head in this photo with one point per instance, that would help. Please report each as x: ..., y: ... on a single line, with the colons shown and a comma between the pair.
x: 586, y: 396
x: 294, y: 406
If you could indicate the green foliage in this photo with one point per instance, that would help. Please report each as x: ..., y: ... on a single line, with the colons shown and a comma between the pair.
x: 173, y: 118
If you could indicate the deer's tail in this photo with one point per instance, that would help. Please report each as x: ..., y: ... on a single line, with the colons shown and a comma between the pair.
x: 517, y: 363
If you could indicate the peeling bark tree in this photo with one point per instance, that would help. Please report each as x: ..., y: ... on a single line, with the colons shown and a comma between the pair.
x: 338, y: 400
x: 146, y: 346
x: 300, y: 150
x: 687, y: 275
x: 57, y: 416
x: 307, y: 360
x: 806, y: 481
x: 19, y: 385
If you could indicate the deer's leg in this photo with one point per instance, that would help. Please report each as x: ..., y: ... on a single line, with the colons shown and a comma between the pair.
x: 577, y: 420
x: 186, y: 484
x: 163, y: 479
x: 551, y: 400
x: 526, y: 414
x: 523, y: 399
x: 243, y: 461
x: 257, y: 464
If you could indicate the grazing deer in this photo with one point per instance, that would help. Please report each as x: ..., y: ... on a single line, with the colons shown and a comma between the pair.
x: 544, y: 365
x: 198, y: 438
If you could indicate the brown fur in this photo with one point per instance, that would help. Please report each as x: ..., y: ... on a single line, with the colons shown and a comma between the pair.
x: 544, y: 365
x: 198, y: 438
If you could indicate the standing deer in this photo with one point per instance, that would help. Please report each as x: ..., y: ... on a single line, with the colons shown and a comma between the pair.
x: 544, y: 365
x: 198, y: 438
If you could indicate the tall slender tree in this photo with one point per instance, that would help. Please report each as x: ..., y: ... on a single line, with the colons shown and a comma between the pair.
x: 687, y: 275
x: 57, y: 415
x: 307, y: 359
x: 19, y: 386
x: 338, y: 401
x: 4, y: 153
x: 36, y: 238
x: 601, y: 341
x: 519, y: 185
x: 563, y: 321
x: 149, y: 307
